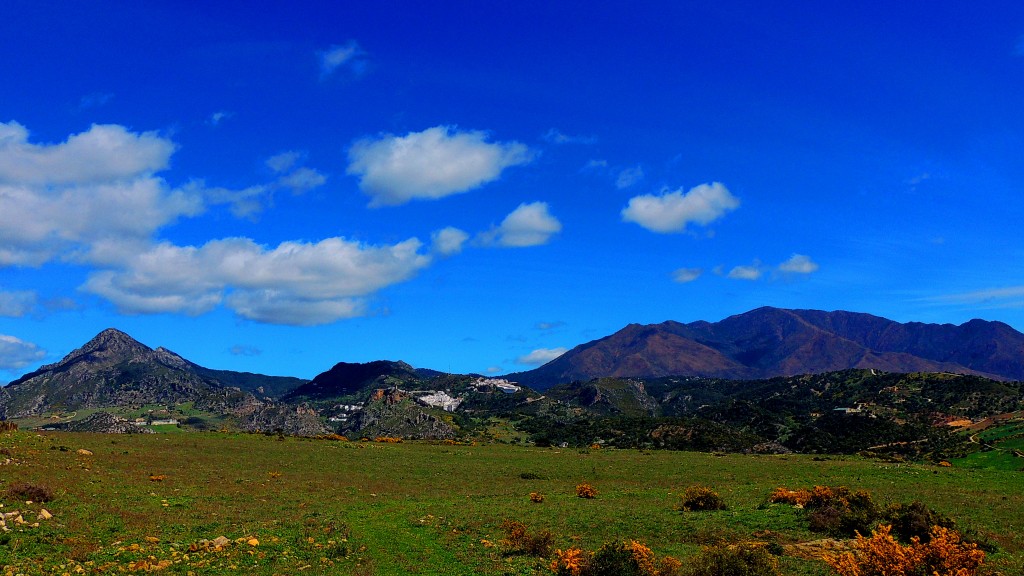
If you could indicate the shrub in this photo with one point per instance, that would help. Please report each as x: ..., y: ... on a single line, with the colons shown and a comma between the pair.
x: 614, y: 559
x: 740, y: 560
x: 882, y: 555
x: 518, y: 540
x: 388, y: 439
x: 621, y: 559
x: 27, y: 491
x: 568, y: 563
x: 585, y: 490
x: 914, y: 520
x: 536, y: 497
x: 840, y: 511
x: 701, y: 498
x: 792, y: 497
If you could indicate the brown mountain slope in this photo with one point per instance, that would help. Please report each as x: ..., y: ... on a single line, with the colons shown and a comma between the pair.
x: 769, y: 342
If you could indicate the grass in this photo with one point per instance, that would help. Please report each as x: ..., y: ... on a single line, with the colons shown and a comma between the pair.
x: 418, y: 508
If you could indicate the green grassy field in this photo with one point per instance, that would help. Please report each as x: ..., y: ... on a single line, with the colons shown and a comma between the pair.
x: 327, y: 507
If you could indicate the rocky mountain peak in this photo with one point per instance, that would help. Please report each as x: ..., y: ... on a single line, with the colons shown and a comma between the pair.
x: 110, y: 346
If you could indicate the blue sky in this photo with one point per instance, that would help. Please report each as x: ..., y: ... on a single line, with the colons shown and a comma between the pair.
x: 476, y: 187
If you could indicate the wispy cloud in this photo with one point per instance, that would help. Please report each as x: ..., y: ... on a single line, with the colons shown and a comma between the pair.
x: 244, y: 350
x: 95, y: 100
x: 629, y: 177
x: 431, y: 164
x: 541, y: 356
x: 16, y: 353
x: 1006, y: 297
x: 18, y: 303
x: 528, y: 225
x: 672, y: 211
x: 751, y: 272
x: 219, y: 116
x: 550, y: 325
x: 684, y: 275
x: 556, y: 136
x: 348, y: 55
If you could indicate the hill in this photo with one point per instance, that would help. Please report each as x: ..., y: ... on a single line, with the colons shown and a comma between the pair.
x: 769, y: 342
x: 114, y: 371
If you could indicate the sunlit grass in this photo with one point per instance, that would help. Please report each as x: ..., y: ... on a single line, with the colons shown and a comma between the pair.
x: 375, y: 508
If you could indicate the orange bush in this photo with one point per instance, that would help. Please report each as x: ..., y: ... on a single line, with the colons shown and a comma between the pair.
x: 585, y: 490
x: 536, y: 497
x: 700, y: 498
x: 388, y: 439
x: 614, y: 558
x: 881, y: 555
x: 518, y: 539
x: 569, y: 562
x: 792, y: 497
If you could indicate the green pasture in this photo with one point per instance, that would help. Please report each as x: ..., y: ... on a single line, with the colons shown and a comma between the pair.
x: 291, y: 506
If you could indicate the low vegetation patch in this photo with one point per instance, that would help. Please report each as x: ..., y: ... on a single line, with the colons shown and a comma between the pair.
x: 518, y: 539
x: 701, y: 498
x: 585, y: 490
x: 29, y: 491
x: 882, y: 555
x: 738, y: 560
x: 614, y: 559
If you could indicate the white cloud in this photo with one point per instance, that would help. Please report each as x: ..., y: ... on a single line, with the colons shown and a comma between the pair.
x: 75, y: 199
x: 431, y: 164
x: 448, y: 241
x: 684, y: 275
x: 629, y: 177
x: 18, y: 303
x: 672, y: 211
x: 752, y: 272
x: 348, y: 54
x: 104, y: 153
x: 16, y: 353
x: 798, y: 264
x: 295, y: 283
x: 541, y: 356
x: 528, y: 225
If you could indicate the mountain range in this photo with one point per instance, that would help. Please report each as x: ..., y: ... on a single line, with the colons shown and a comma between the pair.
x: 723, y: 372
x: 769, y: 342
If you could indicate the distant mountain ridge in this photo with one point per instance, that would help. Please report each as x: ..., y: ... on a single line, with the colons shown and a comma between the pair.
x: 768, y: 342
